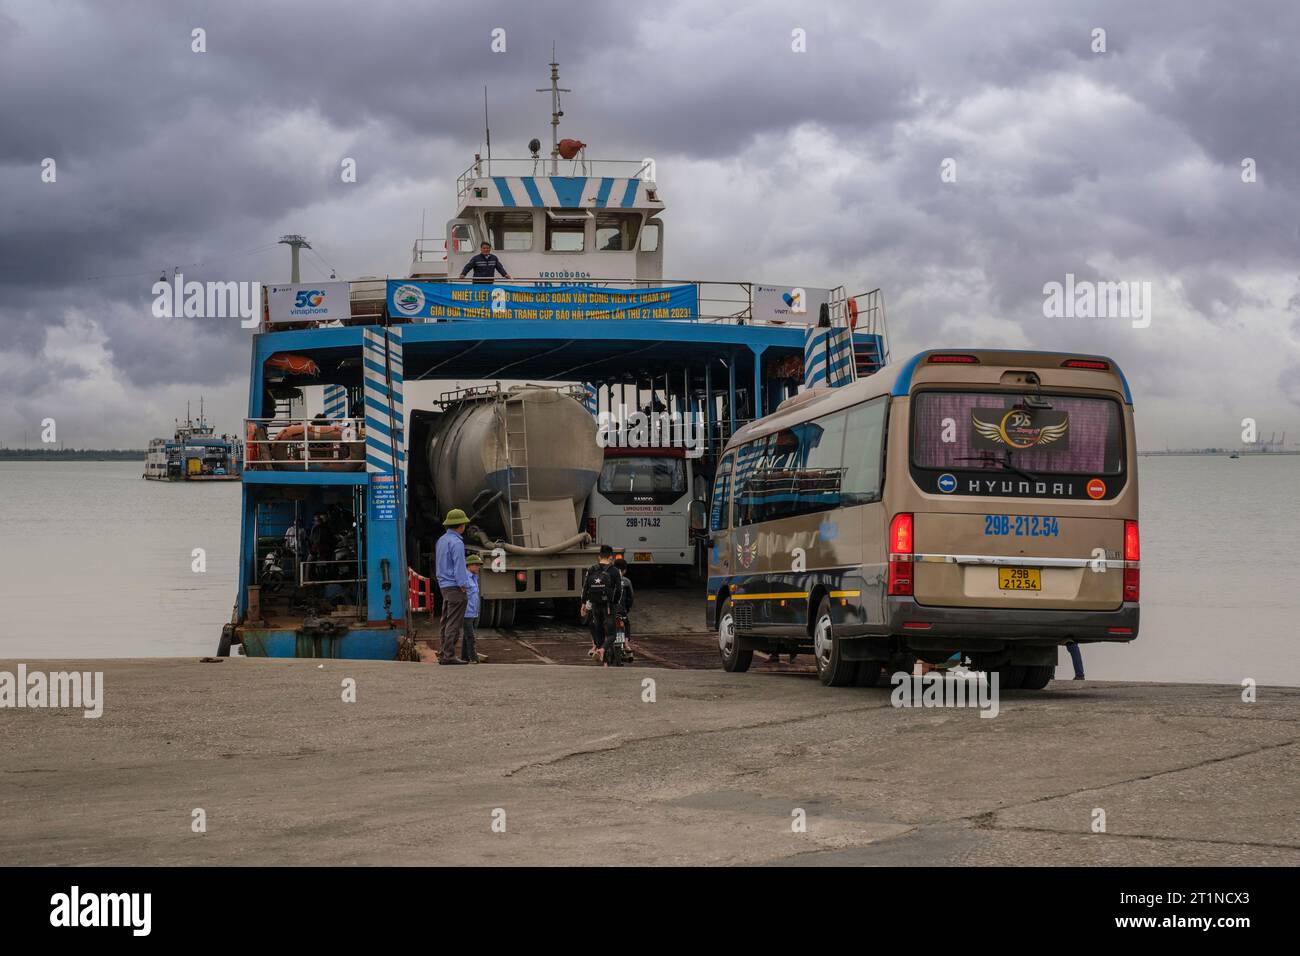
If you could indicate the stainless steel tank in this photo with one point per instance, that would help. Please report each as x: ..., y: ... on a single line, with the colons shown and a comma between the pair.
x: 555, y: 454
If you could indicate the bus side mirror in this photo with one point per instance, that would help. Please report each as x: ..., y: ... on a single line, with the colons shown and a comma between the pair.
x: 699, y: 516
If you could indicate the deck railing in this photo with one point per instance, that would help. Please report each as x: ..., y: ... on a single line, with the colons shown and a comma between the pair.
x: 304, y: 444
x: 730, y: 303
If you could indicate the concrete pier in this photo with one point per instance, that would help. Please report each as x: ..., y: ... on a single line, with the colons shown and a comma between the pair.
x: 581, y: 769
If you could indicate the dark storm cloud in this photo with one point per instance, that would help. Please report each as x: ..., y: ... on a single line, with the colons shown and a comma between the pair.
x: 1068, y: 161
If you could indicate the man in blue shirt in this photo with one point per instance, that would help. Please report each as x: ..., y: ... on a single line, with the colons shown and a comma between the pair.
x: 485, y: 265
x: 453, y: 583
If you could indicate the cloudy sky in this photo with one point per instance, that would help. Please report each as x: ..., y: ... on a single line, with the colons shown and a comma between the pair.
x: 813, y: 168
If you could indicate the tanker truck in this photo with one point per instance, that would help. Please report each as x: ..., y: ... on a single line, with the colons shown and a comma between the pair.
x: 521, y: 463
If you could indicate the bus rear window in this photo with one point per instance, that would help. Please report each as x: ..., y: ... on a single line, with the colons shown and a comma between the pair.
x: 1043, y: 434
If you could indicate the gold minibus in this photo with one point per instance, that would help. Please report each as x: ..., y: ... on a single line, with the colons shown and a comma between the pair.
x: 981, y: 503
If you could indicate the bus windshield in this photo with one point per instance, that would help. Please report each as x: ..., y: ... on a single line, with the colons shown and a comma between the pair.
x: 1037, y: 434
x: 658, y: 478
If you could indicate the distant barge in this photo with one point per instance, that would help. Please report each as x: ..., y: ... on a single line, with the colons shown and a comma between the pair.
x: 194, y: 453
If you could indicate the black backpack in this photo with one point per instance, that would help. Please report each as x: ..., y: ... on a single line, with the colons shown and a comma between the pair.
x: 599, y: 586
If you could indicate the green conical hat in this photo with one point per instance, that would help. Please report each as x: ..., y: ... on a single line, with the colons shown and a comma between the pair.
x: 455, y: 517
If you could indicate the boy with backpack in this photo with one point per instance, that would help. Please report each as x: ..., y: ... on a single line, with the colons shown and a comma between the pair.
x: 599, y: 592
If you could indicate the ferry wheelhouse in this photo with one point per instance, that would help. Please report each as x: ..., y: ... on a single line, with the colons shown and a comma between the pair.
x: 341, y: 508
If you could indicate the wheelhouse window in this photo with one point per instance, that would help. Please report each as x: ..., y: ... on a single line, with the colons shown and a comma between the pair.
x: 566, y: 231
x: 510, y: 231
x: 650, y: 237
x: 616, y: 231
x: 1040, y: 433
x: 462, y: 237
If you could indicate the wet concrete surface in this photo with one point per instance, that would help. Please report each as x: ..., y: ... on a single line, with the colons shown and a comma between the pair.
x: 587, y: 765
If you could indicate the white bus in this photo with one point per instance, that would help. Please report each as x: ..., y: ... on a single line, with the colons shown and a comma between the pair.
x: 641, y: 506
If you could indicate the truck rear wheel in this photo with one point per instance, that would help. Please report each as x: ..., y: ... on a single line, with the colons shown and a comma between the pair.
x: 506, y: 613
x: 832, y: 668
x: 733, y: 658
x: 1038, y: 676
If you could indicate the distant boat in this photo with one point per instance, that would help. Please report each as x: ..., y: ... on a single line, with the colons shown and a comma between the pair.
x: 1234, y: 455
x: 194, y: 453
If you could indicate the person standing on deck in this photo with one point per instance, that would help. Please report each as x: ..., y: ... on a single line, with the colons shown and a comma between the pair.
x: 453, y: 582
x: 485, y: 265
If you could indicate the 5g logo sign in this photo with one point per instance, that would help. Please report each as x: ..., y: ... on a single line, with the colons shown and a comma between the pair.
x: 308, y: 299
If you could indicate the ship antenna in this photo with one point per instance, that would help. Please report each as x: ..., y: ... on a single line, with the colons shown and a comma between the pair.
x: 487, y: 129
x: 555, y: 91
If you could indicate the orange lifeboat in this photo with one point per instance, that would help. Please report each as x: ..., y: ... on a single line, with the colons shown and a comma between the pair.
x: 293, y: 364
x: 327, y: 448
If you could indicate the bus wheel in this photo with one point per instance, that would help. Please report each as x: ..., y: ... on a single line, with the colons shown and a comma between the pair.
x: 1038, y: 676
x: 1011, y: 676
x: 733, y: 658
x: 869, y: 674
x: 833, y: 669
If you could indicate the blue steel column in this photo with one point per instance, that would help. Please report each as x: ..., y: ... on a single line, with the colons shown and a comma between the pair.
x: 731, y: 384
x: 385, y: 461
x: 758, y: 379
x: 247, y: 533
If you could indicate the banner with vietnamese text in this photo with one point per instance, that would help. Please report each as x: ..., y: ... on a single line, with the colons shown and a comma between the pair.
x: 458, y: 301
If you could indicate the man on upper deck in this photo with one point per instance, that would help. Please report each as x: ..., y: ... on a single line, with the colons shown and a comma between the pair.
x: 485, y: 264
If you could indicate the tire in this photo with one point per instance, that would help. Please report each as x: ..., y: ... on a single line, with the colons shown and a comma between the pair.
x: 223, y: 646
x: 1038, y: 676
x: 1011, y: 676
x: 832, y: 669
x: 734, y: 659
x: 869, y: 674
x: 506, y: 615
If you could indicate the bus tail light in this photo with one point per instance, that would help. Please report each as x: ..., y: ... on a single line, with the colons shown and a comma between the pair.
x: 948, y: 358
x: 900, y: 555
x: 1095, y: 365
x: 1132, y: 555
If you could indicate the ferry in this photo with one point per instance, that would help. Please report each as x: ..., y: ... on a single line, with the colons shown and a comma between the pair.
x: 195, y: 452
x: 341, y: 508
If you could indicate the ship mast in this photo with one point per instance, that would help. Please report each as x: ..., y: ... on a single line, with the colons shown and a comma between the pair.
x: 555, y: 91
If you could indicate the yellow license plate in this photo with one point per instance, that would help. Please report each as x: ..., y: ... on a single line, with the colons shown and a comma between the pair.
x: 642, y: 556
x: 1020, y: 579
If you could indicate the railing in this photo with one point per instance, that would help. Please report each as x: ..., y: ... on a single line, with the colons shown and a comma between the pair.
x: 729, y: 303
x: 580, y: 165
x: 419, y: 591
x: 304, y: 444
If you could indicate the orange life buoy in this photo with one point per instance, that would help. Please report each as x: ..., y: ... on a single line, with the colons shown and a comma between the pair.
x: 853, y: 313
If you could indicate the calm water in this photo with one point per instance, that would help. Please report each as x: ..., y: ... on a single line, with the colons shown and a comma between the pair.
x: 95, y: 562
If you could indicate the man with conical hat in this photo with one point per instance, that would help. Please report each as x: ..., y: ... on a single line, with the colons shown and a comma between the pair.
x: 453, y: 583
